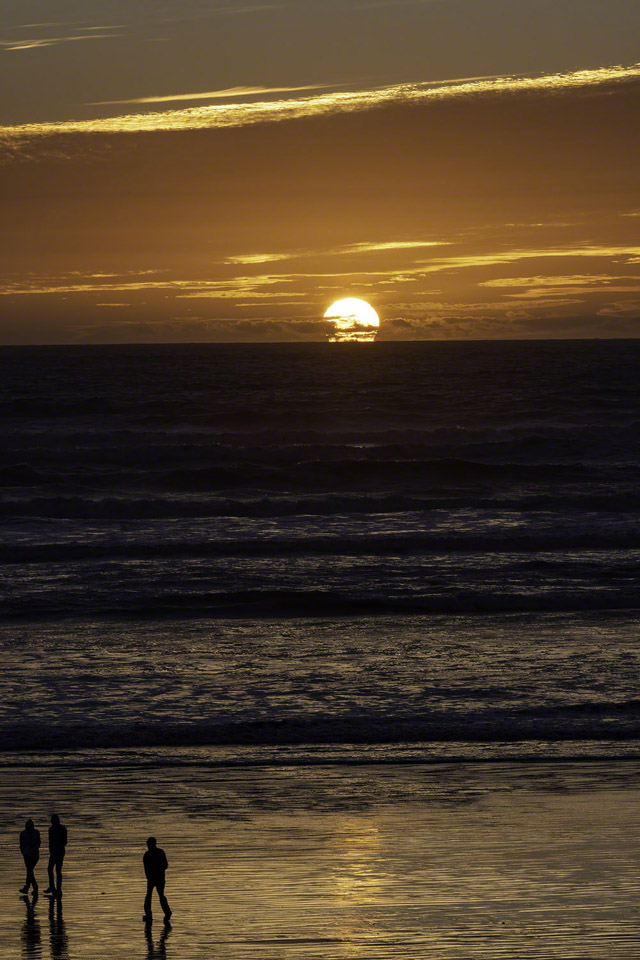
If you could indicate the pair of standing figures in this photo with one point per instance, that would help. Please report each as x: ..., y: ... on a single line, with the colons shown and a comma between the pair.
x: 155, y: 864
x: 30, y: 849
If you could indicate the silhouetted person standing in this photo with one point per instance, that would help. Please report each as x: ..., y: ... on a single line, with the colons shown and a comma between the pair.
x: 30, y: 849
x: 57, y: 849
x: 155, y: 864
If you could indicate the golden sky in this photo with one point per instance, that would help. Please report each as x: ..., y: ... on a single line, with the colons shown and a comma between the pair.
x: 237, y: 203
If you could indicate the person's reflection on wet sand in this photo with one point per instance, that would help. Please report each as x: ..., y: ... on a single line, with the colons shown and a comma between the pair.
x: 156, y: 951
x: 31, y: 937
x: 57, y: 932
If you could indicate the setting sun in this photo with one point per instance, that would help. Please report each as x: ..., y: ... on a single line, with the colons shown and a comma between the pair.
x: 354, y: 319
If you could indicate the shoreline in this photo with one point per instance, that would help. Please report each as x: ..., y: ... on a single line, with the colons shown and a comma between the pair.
x: 256, y: 757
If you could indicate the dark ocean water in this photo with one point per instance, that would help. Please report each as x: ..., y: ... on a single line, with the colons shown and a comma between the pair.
x: 393, y: 550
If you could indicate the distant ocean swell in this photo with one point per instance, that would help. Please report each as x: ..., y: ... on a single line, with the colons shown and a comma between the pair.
x: 381, y: 545
x: 597, y: 721
x: 307, y: 603
x: 337, y: 476
x: 129, y: 505
x: 424, y: 546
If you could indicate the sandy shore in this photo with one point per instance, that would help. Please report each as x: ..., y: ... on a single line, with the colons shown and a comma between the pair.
x: 464, y: 861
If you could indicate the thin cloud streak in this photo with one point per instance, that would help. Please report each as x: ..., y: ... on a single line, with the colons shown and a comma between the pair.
x: 222, y: 289
x: 250, y: 258
x: 573, y: 290
x: 539, y: 288
x: 391, y: 245
x: 54, y: 41
x: 229, y: 93
x: 514, y: 256
x: 579, y: 279
x: 353, y: 248
x: 236, y: 115
x: 240, y: 285
x: 48, y: 23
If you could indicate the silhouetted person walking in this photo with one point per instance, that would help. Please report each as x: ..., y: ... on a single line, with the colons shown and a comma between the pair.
x: 155, y: 864
x: 30, y: 849
x: 57, y: 849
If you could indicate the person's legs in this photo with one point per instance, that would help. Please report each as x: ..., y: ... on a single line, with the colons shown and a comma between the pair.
x: 30, y: 863
x: 147, y: 900
x: 163, y: 900
x: 52, y: 884
x: 59, y: 860
x: 25, y: 888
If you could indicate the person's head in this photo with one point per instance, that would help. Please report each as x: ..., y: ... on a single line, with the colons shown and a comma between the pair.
x: 152, y: 843
x: 55, y: 819
x: 29, y: 825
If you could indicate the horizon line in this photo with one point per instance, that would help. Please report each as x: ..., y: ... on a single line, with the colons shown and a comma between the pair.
x: 307, y: 343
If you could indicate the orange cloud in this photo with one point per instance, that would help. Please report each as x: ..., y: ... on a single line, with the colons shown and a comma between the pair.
x: 235, y: 115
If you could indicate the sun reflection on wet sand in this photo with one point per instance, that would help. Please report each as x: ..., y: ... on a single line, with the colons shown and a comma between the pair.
x: 480, y: 861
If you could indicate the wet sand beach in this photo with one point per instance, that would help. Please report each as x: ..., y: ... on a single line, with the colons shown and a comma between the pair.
x: 520, y: 860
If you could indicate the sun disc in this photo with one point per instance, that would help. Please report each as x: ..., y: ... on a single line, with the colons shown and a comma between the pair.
x: 354, y: 319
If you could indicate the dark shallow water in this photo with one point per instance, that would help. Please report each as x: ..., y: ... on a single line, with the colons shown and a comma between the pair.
x: 389, y: 547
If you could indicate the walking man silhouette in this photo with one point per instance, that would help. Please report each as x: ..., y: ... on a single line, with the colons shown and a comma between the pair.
x: 30, y: 850
x: 155, y: 864
x: 57, y: 850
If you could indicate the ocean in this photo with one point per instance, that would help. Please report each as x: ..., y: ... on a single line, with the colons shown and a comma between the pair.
x: 320, y: 553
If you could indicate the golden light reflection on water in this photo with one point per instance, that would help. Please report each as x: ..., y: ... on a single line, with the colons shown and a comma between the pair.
x: 358, y: 875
